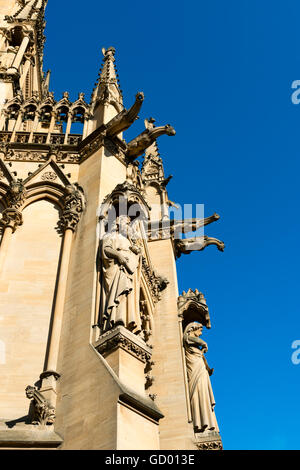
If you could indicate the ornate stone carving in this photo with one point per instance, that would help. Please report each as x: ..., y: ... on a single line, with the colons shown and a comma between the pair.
x: 125, y: 194
x: 210, y: 445
x: 11, y: 218
x: 149, y: 381
x: 26, y: 156
x: 120, y: 337
x: 74, y: 205
x: 42, y: 411
x: 198, y: 372
x: 32, y: 156
x: 152, y: 169
x: 155, y: 283
x: 49, y: 176
x: 16, y: 194
x: 192, y: 307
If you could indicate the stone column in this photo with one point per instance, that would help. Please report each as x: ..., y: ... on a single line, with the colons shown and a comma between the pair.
x: 74, y: 205
x: 68, y: 128
x: 165, y: 209
x: 34, y: 125
x: 17, y: 125
x: 14, y: 68
x: 11, y: 219
x: 51, y: 127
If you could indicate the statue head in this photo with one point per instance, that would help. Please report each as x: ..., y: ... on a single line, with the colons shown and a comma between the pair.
x: 30, y: 391
x: 121, y: 225
x: 194, y: 328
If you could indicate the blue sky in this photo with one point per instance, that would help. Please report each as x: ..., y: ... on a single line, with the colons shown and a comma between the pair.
x: 221, y: 74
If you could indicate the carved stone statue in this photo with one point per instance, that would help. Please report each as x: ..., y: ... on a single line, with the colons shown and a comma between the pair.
x: 120, y: 269
x: 201, y: 394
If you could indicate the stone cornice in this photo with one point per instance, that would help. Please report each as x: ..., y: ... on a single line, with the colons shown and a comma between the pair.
x: 208, y: 441
x: 120, y: 337
x: 19, y: 154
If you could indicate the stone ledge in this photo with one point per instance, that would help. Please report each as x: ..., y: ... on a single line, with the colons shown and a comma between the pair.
x: 29, y: 436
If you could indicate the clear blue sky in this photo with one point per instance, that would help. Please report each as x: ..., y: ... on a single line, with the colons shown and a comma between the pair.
x: 221, y: 74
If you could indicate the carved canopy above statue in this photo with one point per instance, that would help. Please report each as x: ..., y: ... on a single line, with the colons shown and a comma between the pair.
x: 192, y: 308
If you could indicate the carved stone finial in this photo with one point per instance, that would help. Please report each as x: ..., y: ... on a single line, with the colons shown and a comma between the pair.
x: 110, y: 51
x: 42, y: 411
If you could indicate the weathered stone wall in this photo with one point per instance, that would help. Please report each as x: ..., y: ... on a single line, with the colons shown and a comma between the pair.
x: 27, y: 284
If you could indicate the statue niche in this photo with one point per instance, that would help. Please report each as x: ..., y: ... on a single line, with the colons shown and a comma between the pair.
x: 198, y: 372
x: 120, y: 271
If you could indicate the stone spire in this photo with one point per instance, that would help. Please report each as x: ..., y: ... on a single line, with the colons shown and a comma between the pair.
x: 22, y: 43
x: 107, y: 98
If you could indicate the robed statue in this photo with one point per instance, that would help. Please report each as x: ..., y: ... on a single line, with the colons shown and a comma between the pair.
x: 120, y: 270
x: 200, y: 390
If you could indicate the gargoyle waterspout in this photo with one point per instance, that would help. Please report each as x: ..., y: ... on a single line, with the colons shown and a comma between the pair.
x: 137, y: 146
x: 187, y: 245
x: 125, y: 118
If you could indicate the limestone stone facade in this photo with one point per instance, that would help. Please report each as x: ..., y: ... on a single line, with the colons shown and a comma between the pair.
x: 92, y: 351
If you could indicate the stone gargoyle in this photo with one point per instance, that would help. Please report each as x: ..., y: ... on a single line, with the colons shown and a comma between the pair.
x: 125, y: 118
x: 137, y: 146
x: 187, y: 245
